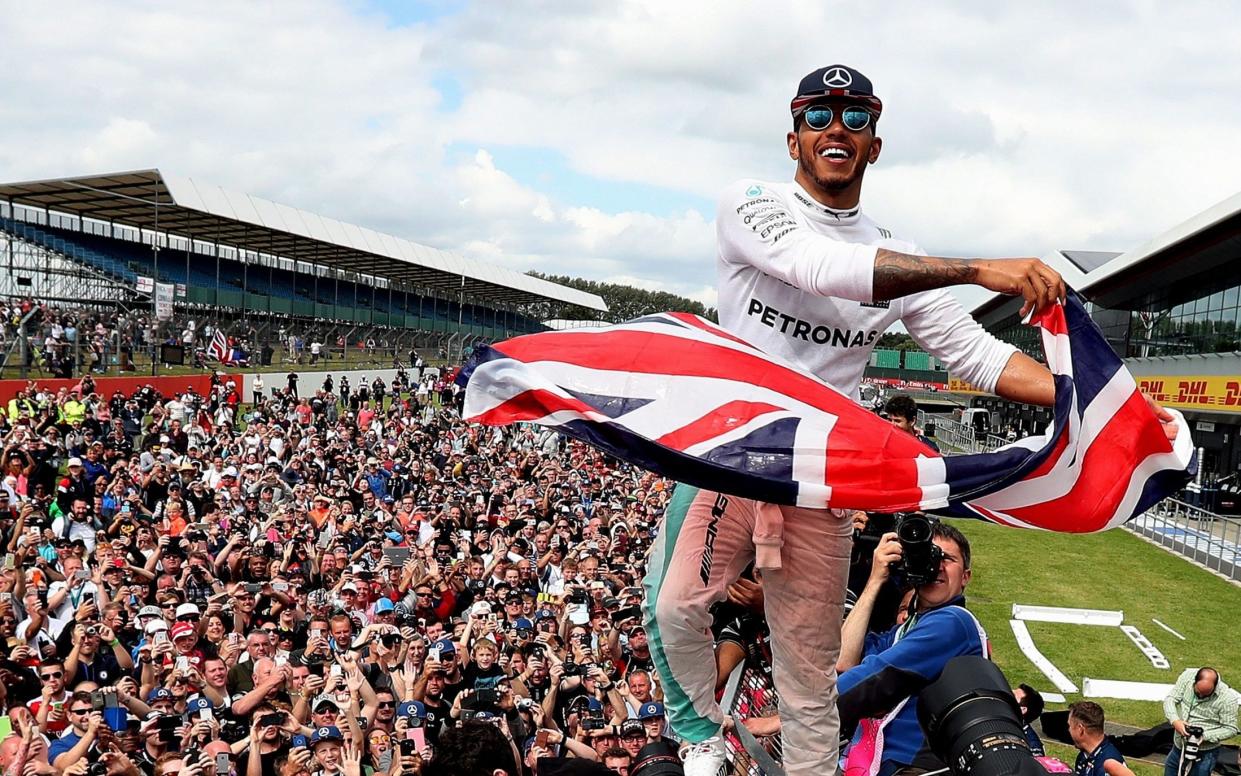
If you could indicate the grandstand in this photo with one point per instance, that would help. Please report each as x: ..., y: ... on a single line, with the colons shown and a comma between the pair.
x: 1172, y: 309
x: 110, y: 240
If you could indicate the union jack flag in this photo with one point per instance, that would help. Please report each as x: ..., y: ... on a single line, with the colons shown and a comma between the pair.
x: 681, y: 396
x: 219, y: 349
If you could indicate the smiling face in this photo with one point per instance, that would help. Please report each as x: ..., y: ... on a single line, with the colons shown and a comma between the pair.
x: 832, y: 161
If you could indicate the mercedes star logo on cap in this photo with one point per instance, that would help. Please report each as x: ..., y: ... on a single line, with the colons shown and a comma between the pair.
x: 837, y: 78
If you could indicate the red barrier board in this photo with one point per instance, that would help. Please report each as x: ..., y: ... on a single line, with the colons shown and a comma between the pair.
x: 106, y: 386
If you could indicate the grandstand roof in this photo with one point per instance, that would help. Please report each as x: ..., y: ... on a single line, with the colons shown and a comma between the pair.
x: 153, y: 200
x: 1177, y: 262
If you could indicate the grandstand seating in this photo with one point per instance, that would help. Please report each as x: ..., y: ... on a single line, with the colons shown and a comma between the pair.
x: 886, y: 359
x: 270, y: 290
x: 916, y: 359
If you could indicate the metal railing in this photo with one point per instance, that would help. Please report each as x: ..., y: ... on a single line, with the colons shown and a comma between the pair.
x: 955, y: 437
x: 750, y: 692
x: 1205, y: 538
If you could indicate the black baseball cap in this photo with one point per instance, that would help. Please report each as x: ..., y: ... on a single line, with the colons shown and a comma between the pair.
x: 835, y: 81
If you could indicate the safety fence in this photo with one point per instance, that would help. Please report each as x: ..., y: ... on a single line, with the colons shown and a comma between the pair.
x: 750, y: 692
x: 1210, y: 540
x: 953, y: 436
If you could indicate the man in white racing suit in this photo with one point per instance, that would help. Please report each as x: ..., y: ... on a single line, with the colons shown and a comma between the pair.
x: 805, y: 275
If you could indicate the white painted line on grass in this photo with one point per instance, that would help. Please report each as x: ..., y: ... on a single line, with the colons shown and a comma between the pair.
x: 1040, y: 660
x: 1054, y: 697
x: 1150, y: 650
x: 1169, y: 630
x: 1130, y: 691
x: 1069, y: 615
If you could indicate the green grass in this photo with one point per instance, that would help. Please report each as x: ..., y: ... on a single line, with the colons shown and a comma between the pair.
x: 1112, y: 570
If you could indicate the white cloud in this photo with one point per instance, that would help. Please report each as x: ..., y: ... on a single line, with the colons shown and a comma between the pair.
x: 1009, y: 128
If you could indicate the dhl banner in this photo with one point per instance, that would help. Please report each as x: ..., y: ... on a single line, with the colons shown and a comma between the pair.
x: 1193, y: 392
x: 957, y: 385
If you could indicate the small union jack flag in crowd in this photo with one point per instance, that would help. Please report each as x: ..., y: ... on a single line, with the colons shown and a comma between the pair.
x: 219, y: 348
x: 680, y: 396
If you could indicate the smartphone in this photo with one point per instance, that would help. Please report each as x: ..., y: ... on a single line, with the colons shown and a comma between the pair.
x: 280, y: 587
x: 161, y: 637
x: 81, y: 575
x: 205, y: 714
x: 271, y: 720
x: 281, y: 661
x: 297, y: 742
x: 222, y: 764
x: 540, y: 739
x: 183, y: 664
x: 433, y: 654
x: 620, y: 615
x: 234, y: 638
x: 126, y: 509
x: 316, y: 633
x: 10, y: 561
x: 397, y: 556
x: 336, y: 671
x: 252, y: 587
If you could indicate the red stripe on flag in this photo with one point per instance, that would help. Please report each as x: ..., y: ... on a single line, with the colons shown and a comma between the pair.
x: 721, y: 420
x: 1052, y: 319
x: 690, y: 319
x: 1131, y: 435
x: 1053, y: 458
x: 874, y: 468
x: 648, y: 353
x: 530, y: 405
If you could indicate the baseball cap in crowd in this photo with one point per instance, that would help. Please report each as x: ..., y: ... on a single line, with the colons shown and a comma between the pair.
x: 74, y: 462
x: 411, y: 710
x: 182, y: 630
x: 480, y: 609
x: 521, y: 623
x: 187, y: 610
x: 544, y: 614
x: 384, y: 605
x: 198, y: 704
x: 150, y: 611
x: 326, y: 733
x: 631, y: 728
x: 159, y: 694
x: 322, y: 700
x: 652, y: 710
x: 834, y: 81
x: 350, y: 587
x: 445, y: 646
x: 154, y: 626
x: 591, y: 704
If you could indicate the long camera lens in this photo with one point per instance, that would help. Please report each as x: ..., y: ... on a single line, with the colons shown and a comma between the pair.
x: 972, y: 722
x: 920, y: 556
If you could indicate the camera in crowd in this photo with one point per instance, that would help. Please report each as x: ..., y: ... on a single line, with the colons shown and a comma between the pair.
x: 1192, y: 751
x: 973, y: 723
x: 920, y: 558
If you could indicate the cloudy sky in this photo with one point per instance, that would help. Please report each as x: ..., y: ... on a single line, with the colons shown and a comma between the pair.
x: 591, y: 138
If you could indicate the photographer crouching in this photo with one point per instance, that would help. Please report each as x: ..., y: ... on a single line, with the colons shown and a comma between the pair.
x: 881, y: 674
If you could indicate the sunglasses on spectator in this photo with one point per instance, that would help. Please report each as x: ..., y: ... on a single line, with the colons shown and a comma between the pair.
x: 86, y: 710
x: 51, y: 675
x: 188, y: 618
x: 387, y: 704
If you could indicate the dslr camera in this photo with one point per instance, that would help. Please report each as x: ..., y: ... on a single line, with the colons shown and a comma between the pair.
x: 920, y: 557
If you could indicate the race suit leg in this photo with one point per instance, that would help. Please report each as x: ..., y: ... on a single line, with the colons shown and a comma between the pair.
x: 704, y: 544
x: 804, y: 600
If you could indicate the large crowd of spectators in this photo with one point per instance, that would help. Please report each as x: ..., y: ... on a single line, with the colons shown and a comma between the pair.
x: 296, y: 585
x: 66, y: 341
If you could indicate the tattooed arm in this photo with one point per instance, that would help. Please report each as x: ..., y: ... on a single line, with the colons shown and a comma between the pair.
x: 902, y: 274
